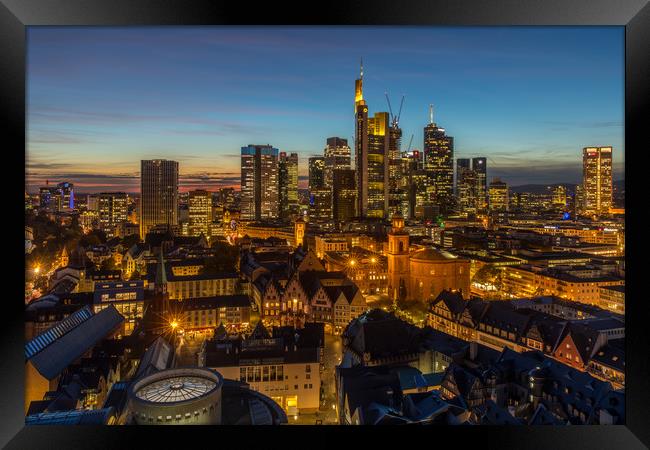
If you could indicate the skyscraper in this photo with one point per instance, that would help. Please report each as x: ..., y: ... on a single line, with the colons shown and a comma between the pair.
x: 409, y: 182
x: 158, y: 194
x: 66, y: 193
x: 344, y: 195
x: 199, y: 205
x: 337, y: 156
x: 288, y: 184
x: 596, y: 180
x: 259, y: 182
x: 316, y: 172
x: 439, y: 163
x: 377, y: 162
x: 113, y: 209
x: 479, y: 166
x: 498, y: 193
x: 470, y: 185
x: 371, y: 156
x: 320, y: 195
x: 361, y: 145
x: 395, y: 192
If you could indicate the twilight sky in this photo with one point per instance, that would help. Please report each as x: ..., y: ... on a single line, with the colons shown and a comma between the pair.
x: 101, y: 99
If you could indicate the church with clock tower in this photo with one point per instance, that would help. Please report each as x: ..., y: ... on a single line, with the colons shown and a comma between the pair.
x: 422, y: 274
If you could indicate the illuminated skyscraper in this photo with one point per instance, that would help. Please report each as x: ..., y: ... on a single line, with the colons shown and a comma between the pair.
x: 409, y: 182
x: 288, y: 184
x: 320, y: 195
x: 498, y: 194
x: 395, y: 192
x: 344, y: 195
x: 158, y: 194
x: 316, y: 172
x: 66, y: 196
x: 470, y: 184
x: 337, y: 156
x: 439, y: 163
x: 479, y: 166
x: 113, y: 209
x: 259, y: 182
x: 378, y: 163
x: 199, y: 205
x: 371, y: 156
x: 596, y: 180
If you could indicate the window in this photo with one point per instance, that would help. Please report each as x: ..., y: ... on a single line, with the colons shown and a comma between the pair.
x: 307, y: 368
x: 265, y: 373
x: 295, y: 386
x: 272, y: 375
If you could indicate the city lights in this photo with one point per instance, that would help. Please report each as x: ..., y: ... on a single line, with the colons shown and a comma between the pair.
x: 404, y: 285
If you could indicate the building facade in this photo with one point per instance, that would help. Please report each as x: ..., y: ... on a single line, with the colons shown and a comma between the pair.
x: 158, y: 194
x: 259, y: 182
x: 596, y: 180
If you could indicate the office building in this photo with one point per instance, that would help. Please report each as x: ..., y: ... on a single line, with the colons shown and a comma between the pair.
x: 199, y: 205
x: 158, y: 194
x: 498, y: 194
x: 113, y: 208
x: 479, y: 166
x: 371, y: 157
x: 288, y: 184
x: 344, y: 195
x: 466, y: 186
x: 596, y: 180
x: 337, y: 157
x: 439, y: 163
x: 259, y: 182
x: 320, y: 195
x: 316, y: 172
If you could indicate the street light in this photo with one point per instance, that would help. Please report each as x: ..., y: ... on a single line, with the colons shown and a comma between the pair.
x: 37, y: 269
x: 174, y: 325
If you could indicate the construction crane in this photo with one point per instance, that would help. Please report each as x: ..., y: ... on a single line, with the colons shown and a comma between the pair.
x: 394, y: 118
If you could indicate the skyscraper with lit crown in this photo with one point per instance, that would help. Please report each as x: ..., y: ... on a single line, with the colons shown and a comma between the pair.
x: 371, y: 157
x: 439, y: 163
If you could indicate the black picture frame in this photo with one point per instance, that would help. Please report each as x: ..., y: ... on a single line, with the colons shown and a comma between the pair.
x: 634, y: 15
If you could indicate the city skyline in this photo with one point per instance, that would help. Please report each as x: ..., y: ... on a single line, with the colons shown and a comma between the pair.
x: 150, y: 94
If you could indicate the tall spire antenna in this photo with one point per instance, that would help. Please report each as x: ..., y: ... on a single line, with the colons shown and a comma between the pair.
x: 430, y: 113
x: 361, y: 59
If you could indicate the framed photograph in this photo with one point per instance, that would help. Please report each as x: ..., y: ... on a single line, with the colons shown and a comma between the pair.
x: 288, y: 222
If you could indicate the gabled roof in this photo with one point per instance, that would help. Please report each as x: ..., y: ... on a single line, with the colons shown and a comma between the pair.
x: 453, y: 300
x: 52, y: 351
